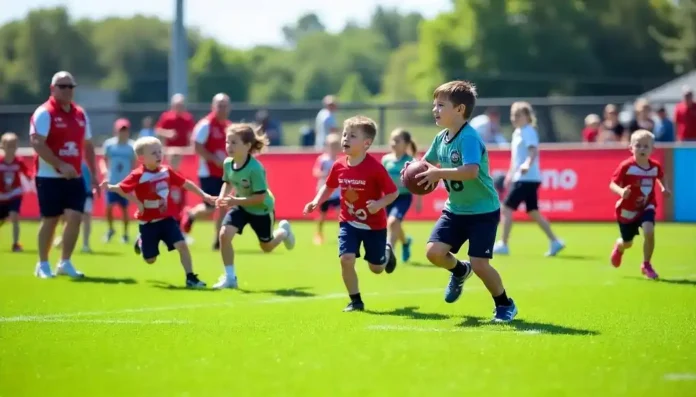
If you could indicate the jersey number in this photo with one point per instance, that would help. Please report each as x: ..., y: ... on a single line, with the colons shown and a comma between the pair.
x: 456, y: 186
x: 360, y: 213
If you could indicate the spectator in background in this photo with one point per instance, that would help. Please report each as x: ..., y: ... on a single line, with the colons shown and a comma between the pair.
x: 611, y: 130
x: 590, y: 133
x: 664, y: 130
x: 325, y: 122
x: 642, y: 119
x: 146, y: 127
x: 488, y: 126
x: 270, y: 127
x: 176, y: 125
x: 685, y: 116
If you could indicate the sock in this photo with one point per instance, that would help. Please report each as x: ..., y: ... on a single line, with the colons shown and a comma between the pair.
x: 502, y: 300
x: 355, y: 297
x: 229, y: 271
x: 459, y: 270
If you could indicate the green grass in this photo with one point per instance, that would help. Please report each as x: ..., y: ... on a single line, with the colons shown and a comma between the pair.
x: 584, y: 328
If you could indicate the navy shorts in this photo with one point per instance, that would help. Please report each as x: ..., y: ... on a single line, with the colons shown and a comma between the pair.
x: 329, y: 204
x: 167, y: 231
x: 631, y: 230
x: 400, y: 206
x: 116, y: 199
x: 479, y: 229
x: 211, y: 185
x: 262, y: 225
x: 9, y: 206
x: 373, y: 241
x: 56, y: 195
x: 522, y: 191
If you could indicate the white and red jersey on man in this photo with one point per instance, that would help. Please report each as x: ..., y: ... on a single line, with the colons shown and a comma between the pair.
x: 643, y: 182
x: 210, y: 132
x: 153, y: 189
x: 181, y: 123
x: 367, y: 181
x: 65, y: 134
x: 10, y: 181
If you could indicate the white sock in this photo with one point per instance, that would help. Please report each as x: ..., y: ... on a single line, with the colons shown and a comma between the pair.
x: 229, y: 271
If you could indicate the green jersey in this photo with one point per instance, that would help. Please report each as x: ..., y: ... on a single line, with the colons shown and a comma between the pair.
x: 394, y: 167
x: 473, y: 196
x: 249, y: 179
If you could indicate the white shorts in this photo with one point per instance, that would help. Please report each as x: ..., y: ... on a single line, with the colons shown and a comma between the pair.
x: 88, y: 205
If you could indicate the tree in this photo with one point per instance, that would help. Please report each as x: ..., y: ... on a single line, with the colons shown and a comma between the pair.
x: 679, y: 44
x: 395, y: 83
x: 353, y: 89
x: 306, y: 24
x: 213, y: 70
x: 395, y: 27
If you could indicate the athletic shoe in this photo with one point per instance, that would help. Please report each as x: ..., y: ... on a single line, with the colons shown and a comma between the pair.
x: 555, y: 247
x: 226, y: 282
x: 355, y: 307
x: 505, y: 314
x: 66, y: 268
x: 648, y: 271
x: 501, y: 249
x: 391, y: 260
x: 456, y: 285
x: 616, y: 256
x: 43, y: 270
x: 192, y: 281
x: 406, y: 250
x: 289, y: 240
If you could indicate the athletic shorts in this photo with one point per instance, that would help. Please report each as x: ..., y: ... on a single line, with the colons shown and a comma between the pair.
x: 9, y: 206
x: 116, y: 199
x: 400, y: 206
x: 527, y: 192
x: 56, y: 195
x: 478, y: 229
x: 211, y: 185
x: 329, y: 204
x: 374, y: 242
x: 632, y: 229
x: 167, y: 231
x: 262, y: 225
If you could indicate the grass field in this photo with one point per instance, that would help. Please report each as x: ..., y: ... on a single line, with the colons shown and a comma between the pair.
x: 130, y: 329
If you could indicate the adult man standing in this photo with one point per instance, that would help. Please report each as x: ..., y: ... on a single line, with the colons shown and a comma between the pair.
x: 685, y: 116
x: 488, y: 127
x: 175, y: 125
x: 61, y: 136
x: 325, y: 123
x: 210, y: 141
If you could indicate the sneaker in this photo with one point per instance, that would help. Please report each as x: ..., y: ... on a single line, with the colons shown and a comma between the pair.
x: 355, y: 307
x: 391, y: 260
x: 186, y: 222
x: 43, y: 270
x: 406, y: 250
x: 109, y: 235
x: 616, y: 256
x: 505, y: 314
x: 86, y: 250
x: 17, y: 248
x: 226, y: 282
x: 456, y: 285
x: 318, y: 239
x: 501, y: 248
x: 192, y: 281
x: 136, y: 246
x: 555, y: 247
x: 289, y: 240
x: 66, y: 268
x: 648, y: 271
x: 125, y: 239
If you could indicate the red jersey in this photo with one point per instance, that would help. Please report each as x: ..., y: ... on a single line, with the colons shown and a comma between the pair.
x: 153, y: 189
x: 367, y: 181
x: 642, y: 182
x: 10, y: 181
x: 590, y: 134
x: 65, y: 134
x: 178, y: 195
x: 685, y: 119
x: 210, y: 132
x: 182, y: 124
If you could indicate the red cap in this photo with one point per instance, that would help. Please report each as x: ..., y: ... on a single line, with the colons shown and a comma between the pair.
x: 121, y: 124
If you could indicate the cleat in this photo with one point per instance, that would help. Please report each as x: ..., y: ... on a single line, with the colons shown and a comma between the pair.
x: 289, y: 240
x: 66, y: 268
x: 456, y: 285
x: 43, y: 270
x: 391, y: 260
x: 109, y: 235
x: 187, y: 222
x: 87, y: 250
x: 504, y: 314
x: 406, y: 250
x: 355, y: 307
x: 125, y: 239
x: 17, y: 248
x: 648, y: 271
x: 136, y: 246
x: 192, y: 281
x: 501, y: 248
x: 616, y: 256
x: 318, y: 239
x: 555, y: 247
x: 226, y: 282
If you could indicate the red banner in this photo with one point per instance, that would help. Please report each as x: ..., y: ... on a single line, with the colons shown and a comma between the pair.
x: 575, y: 184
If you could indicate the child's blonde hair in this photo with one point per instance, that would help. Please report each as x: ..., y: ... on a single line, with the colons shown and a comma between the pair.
x: 331, y: 139
x: 142, y: 143
x: 592, y: 119
x: 642, y: 134
x: 364, y: 124
x: 526, y: 109
x: 248, y: 134
x: 8, y: 137
x: 411, y: 147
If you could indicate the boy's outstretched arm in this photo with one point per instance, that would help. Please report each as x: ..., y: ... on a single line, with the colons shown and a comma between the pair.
x: 193, y: 188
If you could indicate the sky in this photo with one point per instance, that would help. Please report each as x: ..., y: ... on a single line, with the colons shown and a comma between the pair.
x: 238, y: 23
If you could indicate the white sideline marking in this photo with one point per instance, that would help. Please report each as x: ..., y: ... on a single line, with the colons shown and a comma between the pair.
x: 678, y: 377
x: 405, y: 328
x: 93, y: 321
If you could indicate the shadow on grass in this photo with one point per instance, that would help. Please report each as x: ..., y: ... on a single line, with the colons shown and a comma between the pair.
x: 574, y: 257
x: 105, y: 280
x: 675, y: 281
x: 410, y: 312
x: 172, y: 287
x: 250, y: 251
x: 100, y: 253
x: 526, y: 326
x: 421, y: 265
x: 297, y: 292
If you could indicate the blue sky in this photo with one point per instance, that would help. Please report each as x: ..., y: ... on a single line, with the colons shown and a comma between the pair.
x: 240, y: 23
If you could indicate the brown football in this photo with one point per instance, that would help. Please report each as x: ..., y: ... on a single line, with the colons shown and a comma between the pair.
x: 409, y: 180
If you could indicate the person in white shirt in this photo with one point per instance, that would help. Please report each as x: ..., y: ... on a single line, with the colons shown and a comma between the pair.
x: 488, y: 127
x: 325, y: 122
x: 524, y: 178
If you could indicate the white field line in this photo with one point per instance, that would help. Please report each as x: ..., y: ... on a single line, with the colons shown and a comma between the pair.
x: 94, y: 321
x: 681, y: 377
x: 406, y: 328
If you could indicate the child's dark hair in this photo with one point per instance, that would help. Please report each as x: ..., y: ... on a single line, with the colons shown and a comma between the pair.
x: 249, y: 134
x: 459, y: 92
x: 411, y: 147
x: 364, y: 124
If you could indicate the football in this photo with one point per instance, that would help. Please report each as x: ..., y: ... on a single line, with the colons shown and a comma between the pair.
x: 409, y: 180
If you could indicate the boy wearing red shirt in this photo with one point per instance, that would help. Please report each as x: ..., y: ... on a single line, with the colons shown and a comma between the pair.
x: 366, y: 189
x: 11, y: 185
x: 634, y: 181
x: 149, y: 187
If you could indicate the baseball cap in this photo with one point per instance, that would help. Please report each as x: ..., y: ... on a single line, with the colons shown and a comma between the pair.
x: 121, y: 124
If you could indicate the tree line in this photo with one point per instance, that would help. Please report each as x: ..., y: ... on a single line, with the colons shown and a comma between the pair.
x: 509, y: 47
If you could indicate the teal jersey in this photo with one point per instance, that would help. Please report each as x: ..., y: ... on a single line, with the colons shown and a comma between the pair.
x: 248, y: 179
x: 474, y: 196
x: 394, y: 167
x: 120, y: 158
